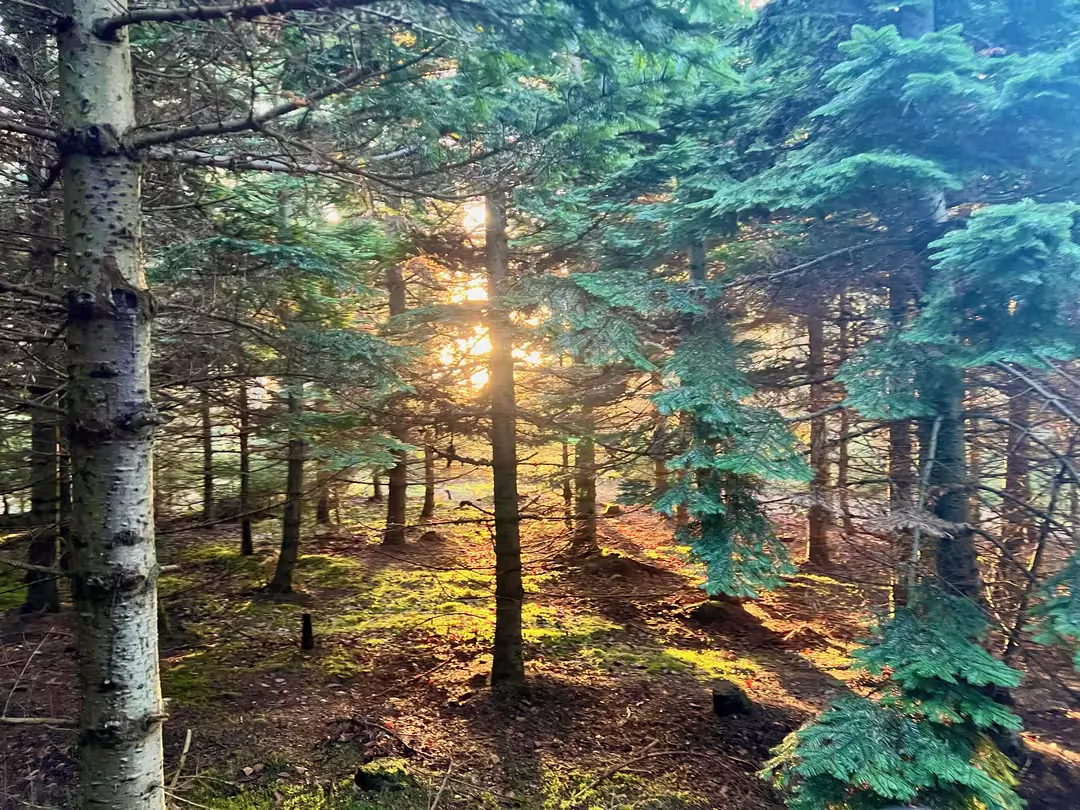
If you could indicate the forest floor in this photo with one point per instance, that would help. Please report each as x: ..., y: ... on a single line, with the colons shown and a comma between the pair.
x: 617, y: 713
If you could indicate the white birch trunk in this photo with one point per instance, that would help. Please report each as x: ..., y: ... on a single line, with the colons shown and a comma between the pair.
x: 113, y: 566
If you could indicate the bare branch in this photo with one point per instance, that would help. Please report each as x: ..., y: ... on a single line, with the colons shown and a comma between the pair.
x: 111, y: 27
x: 34, y: 132
x: 255, y: 120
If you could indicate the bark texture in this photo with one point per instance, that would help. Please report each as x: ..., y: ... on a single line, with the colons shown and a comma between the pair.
x: 397, y: 478
x: 294, y: 501
x: 817, y: 542
x: 428, y: 509
x: 113, y: 565
x: 247, y: 544
x: 957, y: 561
x: 508, y: 664
x: 205, y: 417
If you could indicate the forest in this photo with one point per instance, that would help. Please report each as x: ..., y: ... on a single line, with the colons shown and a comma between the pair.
x: 540, y: 404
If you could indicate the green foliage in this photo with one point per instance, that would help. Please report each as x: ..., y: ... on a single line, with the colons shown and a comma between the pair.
x: 1058, y: 612
x: 925, y: 740
x: 1001, y: 283
x: 732, y: 449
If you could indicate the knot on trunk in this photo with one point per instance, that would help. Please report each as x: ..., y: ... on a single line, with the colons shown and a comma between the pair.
x: 95, y: 140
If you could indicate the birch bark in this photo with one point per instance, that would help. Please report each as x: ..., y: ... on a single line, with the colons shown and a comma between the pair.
x: 111, y: 421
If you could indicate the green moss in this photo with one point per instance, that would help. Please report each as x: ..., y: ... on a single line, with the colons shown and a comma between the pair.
x: 188, y: 684
x: 562, y: 632
x: 578, y: 790
x: 340, y: 663
x: 311, y: 797
x: 327, y: 571
x: 12, y: 589
x: 705, y: 665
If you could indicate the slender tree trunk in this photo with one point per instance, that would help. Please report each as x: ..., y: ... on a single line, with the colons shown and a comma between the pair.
x: 294, y: 501
x: 428, y: 509
x: 843, y: 450
x: 508, y: 663
x: 901, y: 461
x: 397, y: 493
x: 975, y: 469
x: 207, y: 425
x: 957, y: 561
x: 376, y: 488
x: 113, y: 564
x: 817, y: 545
x: 42, y: 592
x: 585, y: 489
x: 1016, y: 527
x: 567, y: 487
x: 247, y: 544
x: 323, y: 510
x: 63, y: 464
x: 398, y: 477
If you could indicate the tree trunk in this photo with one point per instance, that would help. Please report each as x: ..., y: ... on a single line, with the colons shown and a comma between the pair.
x: 585, y: 489
x: 294, y: 501
x: 508, y: 664
x: 901, y: 461
x: 323, y: 510
x: 398, y: 477
x: 63, y: 464
x: 957, y: 562
x: 247, y: 544
x: 659, y: 457
x: 397, y: 481
x: 1016, y: 525
x: 843, y: 451
x: 42, y: 592
x: 428, y: 509
x: 567, y: 477
x: 376, y: 488
x: 817, y: 539
x: 114, y: 568
x: 207, y: 435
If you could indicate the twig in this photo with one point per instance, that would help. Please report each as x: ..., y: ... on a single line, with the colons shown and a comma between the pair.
x: 180, y: 798
x: 442, y: 787
x: 646, y: 753
x: 416, y: 677
x: 59, y: 722
x: 22, y: 672
x: 183, y: 758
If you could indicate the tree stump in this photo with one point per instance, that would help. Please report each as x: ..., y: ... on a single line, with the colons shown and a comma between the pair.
x: 729, y: 699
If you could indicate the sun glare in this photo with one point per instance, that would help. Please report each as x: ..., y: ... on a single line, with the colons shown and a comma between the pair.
x: 474, y: 218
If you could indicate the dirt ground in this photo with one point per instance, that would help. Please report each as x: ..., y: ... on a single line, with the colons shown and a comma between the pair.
x: 620, y: 659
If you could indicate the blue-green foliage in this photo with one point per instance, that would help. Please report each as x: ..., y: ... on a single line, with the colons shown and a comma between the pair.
x: 1058, y: 612
x: 732, y: 449
x: 925, y: 739
x: 1002, y: 284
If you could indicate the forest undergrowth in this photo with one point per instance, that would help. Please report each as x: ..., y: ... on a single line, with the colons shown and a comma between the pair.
x: 623, y: 648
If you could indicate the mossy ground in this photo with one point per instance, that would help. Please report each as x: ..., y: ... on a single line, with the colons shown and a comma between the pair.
x: 616, y: 714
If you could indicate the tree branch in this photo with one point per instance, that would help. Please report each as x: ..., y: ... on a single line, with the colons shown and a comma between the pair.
x: 26, y: 129
x: 255, y: 120
x: 109, y: 28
